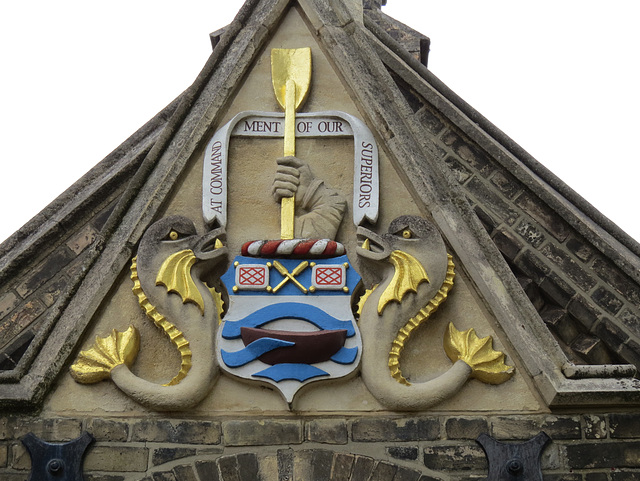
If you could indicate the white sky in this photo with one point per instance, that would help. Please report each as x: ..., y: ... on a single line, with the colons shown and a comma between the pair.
x: 560, y: 77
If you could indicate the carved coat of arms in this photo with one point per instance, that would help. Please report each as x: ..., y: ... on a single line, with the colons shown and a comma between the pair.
x: 296, y: 310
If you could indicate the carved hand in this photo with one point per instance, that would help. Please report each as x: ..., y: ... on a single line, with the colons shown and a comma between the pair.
x: 293, y: 177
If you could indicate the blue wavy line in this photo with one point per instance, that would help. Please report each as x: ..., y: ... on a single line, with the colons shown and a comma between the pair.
x: 253, y: 351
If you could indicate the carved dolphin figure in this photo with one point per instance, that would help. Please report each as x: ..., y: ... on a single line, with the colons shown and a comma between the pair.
x: 414, y: 275
x: 168, y: 277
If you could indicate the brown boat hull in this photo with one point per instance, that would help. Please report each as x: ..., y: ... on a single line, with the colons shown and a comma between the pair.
x: 309, y: 347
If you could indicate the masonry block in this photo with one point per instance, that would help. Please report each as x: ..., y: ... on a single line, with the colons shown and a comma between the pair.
x: 164, y: 455
x: 457, y: 458
x: 532, y: 291
x: 547, y: 218
x: 117, y: 458
x: 19, y: 458
x: 103, y: 477
x: 321, y: 464
x: 383, y: 472
x: 631, y: 321
x: 530, y: 233
x: 429, y: 120
x: 488, y: 222
x: 618, y: 280
x: 362, y: 468
x: 523, y: 428
x: 583, y: 311
x: 20, y: 319
x: 406, y: 453
x: 590, y: 455
x: 163, y: 476
x: 625, y: 475
x: 532, y: 265
x: 248, y: 467
x: 560, y: 323
x: 491, y: 201
x: 596, y: 477
x: 580, y: 248
x: 175, y: 431
x: 507, y: 244
x: 568, y: 266
x: 342, y: 466
x: 607, y: 300
x: 207, y: 470
x: 611, y: 334
x: 460, y: 172
x: 625, y: 426
x: 507, y: 184
x: 53, y: 290
x: 591, y: 349
x: 327, y: 431
x: 46, y: 270
x: 108, y: 430
x: 8, y: 302
x: 465, y: 428
x: 82, y: 239
x: 228, y: 466
x: 262, y: 433
x: 406, y: 474
x: 395, y: 430
x: 186, y: 473
x: 54, y: 430
x: 557, y: 290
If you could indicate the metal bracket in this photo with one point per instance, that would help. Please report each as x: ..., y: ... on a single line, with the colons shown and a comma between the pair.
x: 56, y: 461
x: 514, y: 462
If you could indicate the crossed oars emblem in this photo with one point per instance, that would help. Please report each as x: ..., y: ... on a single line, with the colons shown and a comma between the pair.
x: 290, y: 276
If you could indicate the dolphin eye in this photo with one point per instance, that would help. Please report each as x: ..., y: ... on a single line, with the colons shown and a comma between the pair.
x: 174, y: 235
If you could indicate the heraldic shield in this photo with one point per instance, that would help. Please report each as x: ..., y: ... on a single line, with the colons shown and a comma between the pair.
x: 289, y: 321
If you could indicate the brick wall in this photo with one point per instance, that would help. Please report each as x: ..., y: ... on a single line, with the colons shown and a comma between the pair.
x: 42, y: 280
x: 588, y: 303
x: 584, y: 447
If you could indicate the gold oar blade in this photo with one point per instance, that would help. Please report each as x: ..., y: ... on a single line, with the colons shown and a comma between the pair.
x: 294, y: 64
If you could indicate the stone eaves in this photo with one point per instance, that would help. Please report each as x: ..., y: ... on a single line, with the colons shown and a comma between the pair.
x: 579, y: 269
x: 564, y: 268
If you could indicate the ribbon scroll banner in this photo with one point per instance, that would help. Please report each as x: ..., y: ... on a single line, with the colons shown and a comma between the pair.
x: 271, y: 124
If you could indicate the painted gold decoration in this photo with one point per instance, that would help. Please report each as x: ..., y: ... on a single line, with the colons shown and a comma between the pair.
x: 176, y: 336
x: 219, y: 303
x: 175, y: 275
x: 290, y: 276
x: 291, y: 77
x: 95, y: 364
x: 403, y: 334
x: 487, y: 364
x: 408, y: 274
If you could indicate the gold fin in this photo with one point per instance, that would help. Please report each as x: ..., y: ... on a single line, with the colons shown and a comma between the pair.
x: 175, y: 275
x: 423, y: 314
x: 364, y: 298
x: 218, y: 302
x: 96, y: 363
x: 408, y: 274
x: 486, y: 363
x: 176, y: 336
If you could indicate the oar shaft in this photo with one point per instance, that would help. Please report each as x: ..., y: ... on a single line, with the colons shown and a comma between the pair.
x: 287, y: 204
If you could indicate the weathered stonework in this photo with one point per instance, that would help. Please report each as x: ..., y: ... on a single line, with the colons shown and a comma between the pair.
x: 551, y: 282
x: 450, y: 453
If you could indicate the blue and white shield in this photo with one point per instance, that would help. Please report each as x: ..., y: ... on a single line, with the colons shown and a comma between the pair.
x: 289, y: 322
